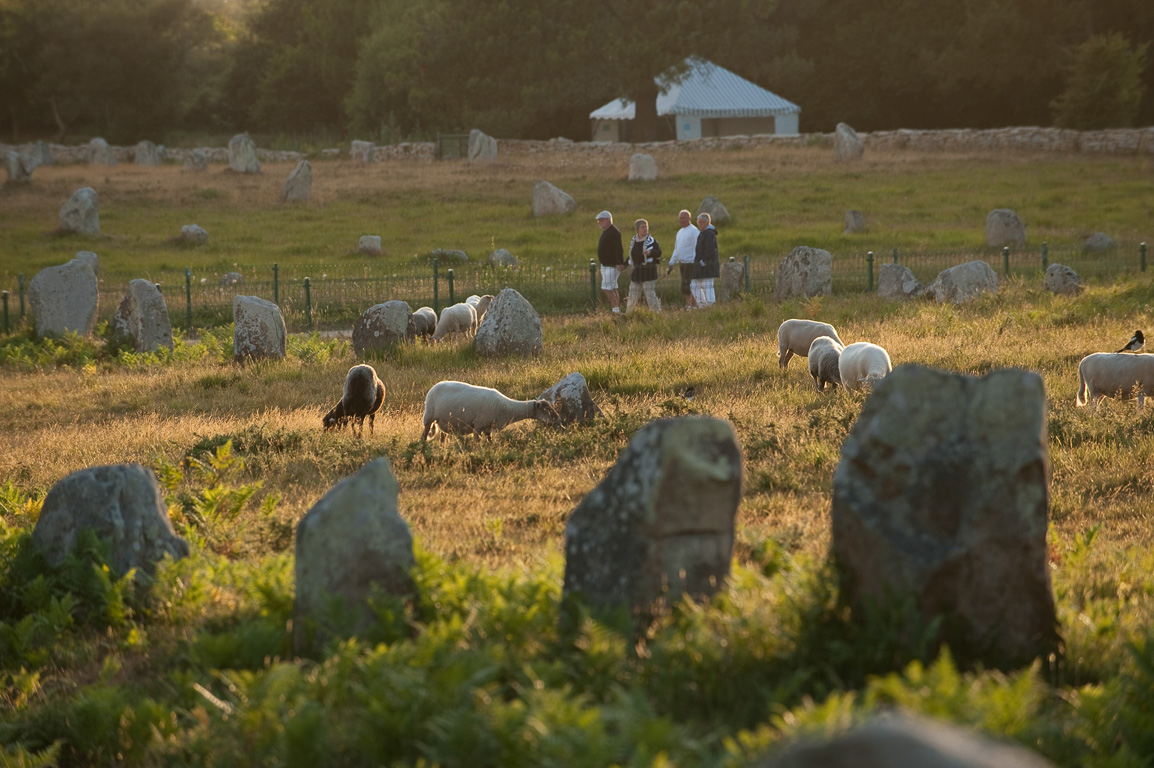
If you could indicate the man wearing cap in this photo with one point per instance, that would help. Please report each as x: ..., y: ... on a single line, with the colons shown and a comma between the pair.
x: 611, y: 254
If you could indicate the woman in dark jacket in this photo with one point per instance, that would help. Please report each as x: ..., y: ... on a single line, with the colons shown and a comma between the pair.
x: 644, y: 255
x: 707, y: 266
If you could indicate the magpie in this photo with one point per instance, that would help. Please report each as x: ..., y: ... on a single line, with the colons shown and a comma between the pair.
x: 1137, y: 341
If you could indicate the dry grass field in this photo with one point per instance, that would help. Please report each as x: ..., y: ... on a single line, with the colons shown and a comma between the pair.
x: 500, y: 506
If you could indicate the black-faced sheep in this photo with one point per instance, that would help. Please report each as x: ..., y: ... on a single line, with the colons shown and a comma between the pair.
x: 459, y: 318
x: 863, y: 364
x: 424, y: 322
x: 363, y: 395
x: 824, y: 360
x: 1114, y: 374
x: 794, y: 337
x: 457, y: 408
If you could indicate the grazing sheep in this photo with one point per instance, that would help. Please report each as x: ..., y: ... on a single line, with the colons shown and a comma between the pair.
x: 482, y: 306
x: 1115, y: 374
x: 458, y: 408
x: 424, y: 322
x: 363, y: 395
x: 794, y: 337
x: 459, y: 318
x: 824, y: 359
x: 862, y: 364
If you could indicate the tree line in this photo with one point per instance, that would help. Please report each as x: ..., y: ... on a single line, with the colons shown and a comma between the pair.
x: 391, y: 70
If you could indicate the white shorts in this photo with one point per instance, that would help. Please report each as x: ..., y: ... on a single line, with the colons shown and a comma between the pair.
x: 609, y: 277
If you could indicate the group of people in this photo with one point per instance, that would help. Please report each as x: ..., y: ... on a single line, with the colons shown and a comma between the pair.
x: 694, y: 253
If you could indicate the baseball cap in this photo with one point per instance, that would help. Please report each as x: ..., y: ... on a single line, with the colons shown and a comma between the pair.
x: 605, y: 215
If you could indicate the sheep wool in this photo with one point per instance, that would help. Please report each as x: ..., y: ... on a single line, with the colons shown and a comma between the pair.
x: 363, y: 395
x: 794, y: 337
x: 457, y: 408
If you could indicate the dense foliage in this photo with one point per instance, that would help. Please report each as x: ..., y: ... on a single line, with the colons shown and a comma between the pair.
x: 391, y: 69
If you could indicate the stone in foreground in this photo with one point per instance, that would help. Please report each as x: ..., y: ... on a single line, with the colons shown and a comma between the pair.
x: 941, y: 501
x: 661, y: 523
x: 259, y: 330
x: 64, y: 299
x: 381, y: 327
x: 351, y: 543
x: 122, y: 505
x: 142, y: 318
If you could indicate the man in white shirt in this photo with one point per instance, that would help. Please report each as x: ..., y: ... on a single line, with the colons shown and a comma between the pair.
x: 684, y: 254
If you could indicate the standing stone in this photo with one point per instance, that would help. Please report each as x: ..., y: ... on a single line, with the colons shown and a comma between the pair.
x: 941, y: 498
x: 142, y: 319
x: 450, y: 255
x: 511, y: 327
x: 19, y: 167
x: 718, y: 213
x: 896, y: 281
x: 332, y: 153
x: 299, y: 184
x: 804, y: 272
x: 42, y: 154
x: 260, y: 330
x: 732, y: 283
x: 1003, y: 227
x: 900, y: 740
x: 571, y: 398
x: 195, y: 161
x: 482, y: 148
x: 1062, y: 280
x: 369, y: 245
x: 91, y: 259
x: 230, y: 278
x: 193, y: 234
x: 549, y: 200
x: 661, y: 523
x: 381, y: 327
x: 242, y: 154
x: 81, y: 213
x: 99, y: 153
x: 847, y: 143
x: 642, y: 167
x: 351, y: 543
x: 362, y: 151
x: 64, y: 299
x: 854, y: 223
x: 502, y: 258
x: 1100, y: 242
x: 122, y: 505
x: 964, y: 282
x: 146, y: 153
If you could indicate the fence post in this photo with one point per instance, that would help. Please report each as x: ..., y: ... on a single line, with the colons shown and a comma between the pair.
x: 276, y: 283
x: 452, y: 300
x: 747, y: 284
x: 895, y: 255
x: 1006, y: 259
x: 593, y: 285
x: 1141, y: 263
x: 436, y: 302
x: 308, y: 304
x: 870, y: 269
x: 5, y: 295
x: 188, y: 295
x: 1045, y: 256
x: 20, y: 283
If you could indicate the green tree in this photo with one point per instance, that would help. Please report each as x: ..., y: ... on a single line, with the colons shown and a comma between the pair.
x: 1104, y: 85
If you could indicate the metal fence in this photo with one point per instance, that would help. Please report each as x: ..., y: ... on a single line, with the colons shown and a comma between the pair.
x: 334, y: 296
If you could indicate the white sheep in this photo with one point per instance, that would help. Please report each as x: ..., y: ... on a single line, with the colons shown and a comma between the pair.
x: 794, y: 337
x: 862, y: 364
x: 824, y: 360
x: 482, y: 306
x: 424, y: 322
x: 363, y: 394
x: 459, y: 318
x: 458, y: 408
x: 1114, y: 374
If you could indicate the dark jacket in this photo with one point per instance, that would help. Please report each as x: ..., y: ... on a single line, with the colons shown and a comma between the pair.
x: 644, y: 269
x: 609, y: 250
x: 708, y: 263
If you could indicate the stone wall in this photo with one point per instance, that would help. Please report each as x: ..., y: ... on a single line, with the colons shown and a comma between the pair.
x: 1117, y: 141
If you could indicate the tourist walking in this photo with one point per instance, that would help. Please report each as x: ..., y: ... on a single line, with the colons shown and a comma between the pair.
x: 611, y: 255
x: 684, y: 254
x: 707, y: 265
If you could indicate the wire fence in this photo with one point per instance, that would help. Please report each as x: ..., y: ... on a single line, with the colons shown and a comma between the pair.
x: 326, y: 297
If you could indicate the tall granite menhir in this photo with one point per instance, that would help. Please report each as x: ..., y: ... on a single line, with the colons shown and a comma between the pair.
x: 941, y: 502
x: 661, y: 523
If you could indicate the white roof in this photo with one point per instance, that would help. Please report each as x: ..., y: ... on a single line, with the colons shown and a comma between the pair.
x: 706, y: 91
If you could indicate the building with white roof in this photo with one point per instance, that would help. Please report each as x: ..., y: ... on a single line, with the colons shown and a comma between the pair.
x: 709, y: 101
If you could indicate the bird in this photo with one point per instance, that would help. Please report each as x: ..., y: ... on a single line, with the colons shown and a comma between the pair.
x: 688, y: 393
x: 1137, y: 341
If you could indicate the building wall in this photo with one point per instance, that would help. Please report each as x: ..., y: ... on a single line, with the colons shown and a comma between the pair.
x: 686, y: 128
x: 606, y: 130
